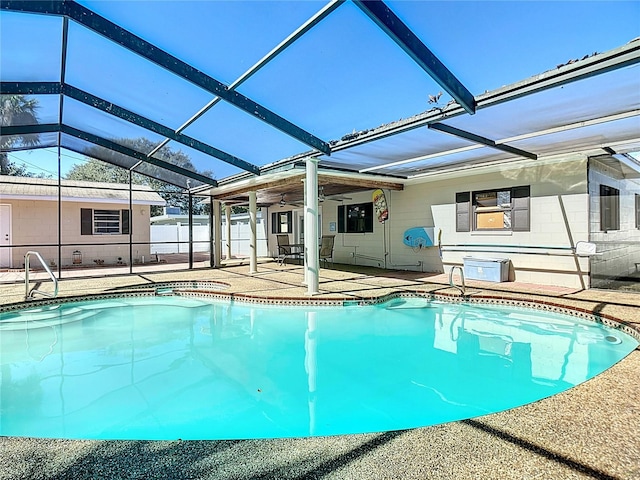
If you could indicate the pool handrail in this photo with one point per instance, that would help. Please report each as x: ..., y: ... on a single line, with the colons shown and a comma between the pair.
x: 29, y: 295
x: 451, y: 282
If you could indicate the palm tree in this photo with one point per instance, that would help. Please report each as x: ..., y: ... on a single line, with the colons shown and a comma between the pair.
x: 16, y: 110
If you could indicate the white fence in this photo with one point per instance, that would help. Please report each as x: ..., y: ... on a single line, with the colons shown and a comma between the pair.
x: 175, y: 238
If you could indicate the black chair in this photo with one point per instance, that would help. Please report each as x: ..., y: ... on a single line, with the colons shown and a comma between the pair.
x: 326, y: 248
x: 286, y: 250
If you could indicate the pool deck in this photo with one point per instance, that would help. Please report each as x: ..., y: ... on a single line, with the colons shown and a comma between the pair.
x: 590, y: 431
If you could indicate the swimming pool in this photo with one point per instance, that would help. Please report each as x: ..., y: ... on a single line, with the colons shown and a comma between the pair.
x: 169, y: 367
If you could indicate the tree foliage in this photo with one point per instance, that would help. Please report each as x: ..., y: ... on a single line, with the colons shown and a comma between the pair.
x: 17, y: 110
x: 104, y: 171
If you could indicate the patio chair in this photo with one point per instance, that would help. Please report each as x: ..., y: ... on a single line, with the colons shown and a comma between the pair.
x: 285, y: 249
x: 326, y: 248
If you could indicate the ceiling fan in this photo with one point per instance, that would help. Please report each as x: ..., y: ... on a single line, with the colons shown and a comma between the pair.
x: 337, y: 198
x: 283, y: 202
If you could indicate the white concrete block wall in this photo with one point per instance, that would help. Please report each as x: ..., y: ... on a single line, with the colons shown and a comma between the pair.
x: 553, y: 186
x: 431, y: 203
x: 354, y: 248
x: 620, y: 248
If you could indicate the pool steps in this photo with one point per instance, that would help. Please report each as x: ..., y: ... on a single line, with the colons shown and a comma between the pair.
x: 408, y: 303
x: 45, y: 317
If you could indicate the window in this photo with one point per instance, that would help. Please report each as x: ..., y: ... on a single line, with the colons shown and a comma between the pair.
x: 281, y: 222
x: 104, y: 222
x: 609, y: 208
x: 505, y: 209
x: 637, y: 211
x: 355, y: 218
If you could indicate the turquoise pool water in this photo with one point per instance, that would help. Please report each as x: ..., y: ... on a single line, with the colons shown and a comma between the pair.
x: 174, y: 367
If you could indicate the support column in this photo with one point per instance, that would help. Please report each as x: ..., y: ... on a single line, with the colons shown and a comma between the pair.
x: 227, y: 214
x: 190, y: 231
x: 311, y: 253
x: 253, y: 243
x: 217, y: 233
x: 212, y: 235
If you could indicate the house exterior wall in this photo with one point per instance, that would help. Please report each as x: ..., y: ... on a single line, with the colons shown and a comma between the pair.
x: 558, y: 211
x: 559, y: 206
x: 620, y: 247
x: 35, y: 225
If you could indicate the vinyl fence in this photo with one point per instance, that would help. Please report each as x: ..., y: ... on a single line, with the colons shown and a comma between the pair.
x: 175, y: 238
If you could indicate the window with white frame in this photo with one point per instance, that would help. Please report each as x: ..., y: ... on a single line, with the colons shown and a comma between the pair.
x: 281, y: 222
x: 104, y: 222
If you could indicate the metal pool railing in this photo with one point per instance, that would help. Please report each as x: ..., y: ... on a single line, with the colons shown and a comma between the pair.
x: 29, y: 294
x: 452, y: 283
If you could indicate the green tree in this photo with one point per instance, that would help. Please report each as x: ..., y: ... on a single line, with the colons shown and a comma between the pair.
x: 101, y: 171
x: 16, y: 110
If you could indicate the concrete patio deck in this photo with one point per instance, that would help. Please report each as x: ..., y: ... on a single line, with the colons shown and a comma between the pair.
x: 590, y: 431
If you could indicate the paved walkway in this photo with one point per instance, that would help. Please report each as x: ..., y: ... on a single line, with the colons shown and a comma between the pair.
x: 590, y: 431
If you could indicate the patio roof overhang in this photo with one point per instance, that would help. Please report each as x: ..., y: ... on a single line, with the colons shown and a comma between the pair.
x: 286, y: 187
x: 583, y: 106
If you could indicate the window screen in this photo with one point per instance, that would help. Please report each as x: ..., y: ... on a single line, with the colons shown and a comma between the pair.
x: 500, y: 209
x: 357, y: 218
x: 281, y: 222
x: 609, y: 208
x: 104, y: 222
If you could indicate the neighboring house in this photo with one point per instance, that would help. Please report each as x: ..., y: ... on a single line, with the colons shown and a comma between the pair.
x: 97, y: 220
x: 174, y: 216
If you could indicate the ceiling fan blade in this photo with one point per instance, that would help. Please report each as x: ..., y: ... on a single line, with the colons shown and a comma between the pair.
x: 338, y: 198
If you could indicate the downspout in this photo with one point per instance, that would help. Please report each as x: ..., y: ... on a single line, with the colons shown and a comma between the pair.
x: 388, y: 262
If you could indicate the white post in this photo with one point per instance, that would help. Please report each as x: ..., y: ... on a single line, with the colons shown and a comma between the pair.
x: 305, y: 280
x: 311, y: 253
x: 227, y: 214
x: 253, y: 243
x: 217, y: 233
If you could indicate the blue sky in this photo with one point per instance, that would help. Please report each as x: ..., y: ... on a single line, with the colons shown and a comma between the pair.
x: 344, y: 75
